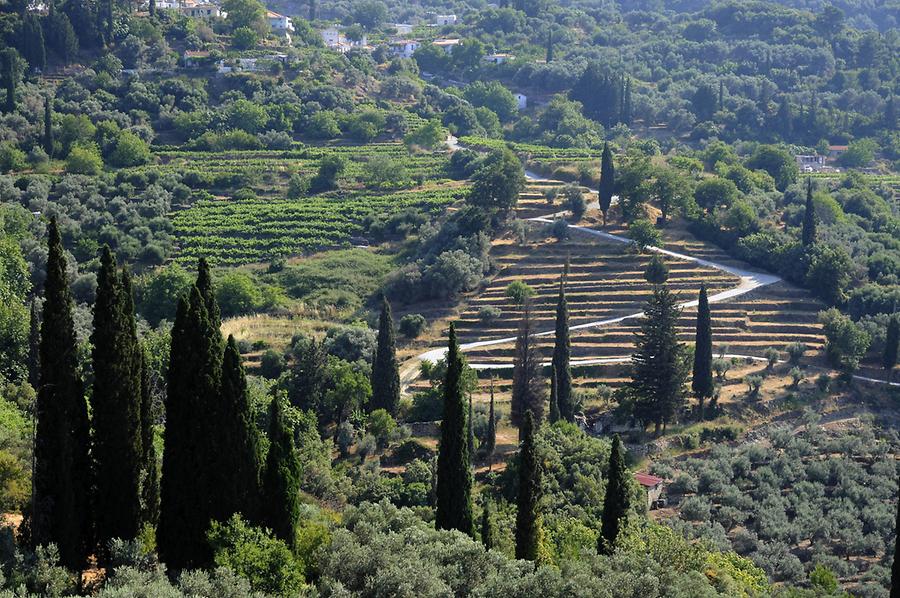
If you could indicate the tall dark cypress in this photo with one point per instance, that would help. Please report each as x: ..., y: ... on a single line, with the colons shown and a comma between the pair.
x: 11, y: 76
x: 152, y: 8
x: 895, y: 565
x: 490, y: 443
x: 34, y: 346
x: 281, y: 481
x: 549, y: 46
x: 205, y: 286
x: 809, y: 217
x: 528, y: 514
x: 487, y: 531
x: 116, y: 407
x: 190, y: 434
x: 607, y: 181
x: 61, y: 511
x: 561, y: 353
x: 470, y: 430
x: 149, y: 464
x: 527, y: 385
x: 702, y: 379
x: 238, y: 467
x: 892, y: 338
x: 385, y: 371
x: 554, y: 397
x: 47, y: 141
x: 454, y: 473
x: 616, y: 502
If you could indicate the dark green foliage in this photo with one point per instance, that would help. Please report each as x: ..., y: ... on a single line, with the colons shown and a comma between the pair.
x: 895, y: 564
x: 238, y: 466
x: 549, y: 57
x: 60, y: 513
x: 454, y: 473
x: 306, y: 380
x: 528, y: 514
x: 116, y: 407
x: 10, y: 78
x: 487, y: 528
x: 599, y: 94
x: 702, y: 379
x: 385, y: 372
x: 470, y: 429
x: 527, y: 386
x: 607, y: 181
x: 554, y: 397
x: 195, y: 364
x: 47, y: 140
x: 497, y: 183
x: 34, y: 346
x: 656, y: 272
x: 892, y: 338
x: 562, y: 381
x: 61, y: 37
x: 809, y: 217
x: 617, y: 500
x: 205, y: 286
x: 281, y: 480
x: 149, y: 463
x: 490, y: 442
x: 658, y: 364
x: 33, y: 43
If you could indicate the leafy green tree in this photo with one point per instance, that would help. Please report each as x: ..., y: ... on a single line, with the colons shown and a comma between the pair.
x: 33, y: 49
x: 528, y: 508
x: 281, y: 481
x: 454, y: 472
x: 658, y: 365
x: 519, y: 292
x: 703, y: 102
x: 778, y: 162
x: 11, y: 74
x: 429, y: 136
x: 643, y: 234
x: 84, y: 159
x: 116, y: 407
x: 60, y: 510
x: 701, y: 377
x: 244, y: 13
x: 671, y: 190
x: 369, y: 13
x: 527, y: 385
x: 238, y: 465
x: 326, y: 179
x: 130, y: 150
x: 385, y: 371
x: 607, y: 181
x: 616, y: 501
x: 492, y: 95
x: 237, y: 294
x: 846, y: 342
x: 892, y: 338
x: 715, y: 192
x: 562, y: 382
x: 809, y: 217
x: 859, y: 153
x: 244, y: 38
x: 497, y: 184
x: 828, y: 272
x: 599, y: 94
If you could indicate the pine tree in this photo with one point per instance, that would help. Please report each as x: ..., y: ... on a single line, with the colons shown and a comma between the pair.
x: 238, y: 465
x: 34, y: 346
x: 60, y: 513
x: 784, y: 120
x: 61, y: 36
x: 617, y: 500
x: 626, y: 114
x: 701, y: 379
x: 809, y: 217
x: 554, y: 396
x: 562, y: 383
x: 116, y: 407
x: 152, y: 8
x: 281, y: 481
x: 889, y: 359
x: 527, y: 386
x: 33, y: 43
x: 658, y: 364
x: 528, y: 514
x: 490, y: 443
x: 149, y: 465
x: 11, y: 78
x: 385, y: 371
x: 607, y: 181
x: 454, y: 474
x: 549, y: 46
x: 487, y: 528
x: 721, y: 102
x: 47, y: 141
x: 306, y: 384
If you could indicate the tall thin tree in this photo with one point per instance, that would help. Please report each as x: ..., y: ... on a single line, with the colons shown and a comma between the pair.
x: 527, y: 386
x: 554, y: 415
x: 116, y: 407
x: 607, y: 181
x: 895, y: 564
x: 891, y: 341
x: 617, y: 500
x: 809, y: 217
x: 34, y: 345
x: 549, y: 57
x: 60, y: 513
x: 454, y: 473
x: 490, y: 442
x: 561, y: 354
x: 702, y: 379
x: 487, y: 528
x: 47, y: 140
x: 149, y: 464
x: 528, y: 514
x: 385, y: 371
x: 281, y: 481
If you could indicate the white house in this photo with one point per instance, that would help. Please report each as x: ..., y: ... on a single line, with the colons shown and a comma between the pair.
x: 332, y: 37
x: 498, y: 58
x: 446, y: 45
x: 521, y: 101
x: 335, y: 39
x: 279, y: 23
x: 402, y: 28
x: 167, y: 4
x: 441, y: 20
x: 405, y: 48
x: 203, y: 11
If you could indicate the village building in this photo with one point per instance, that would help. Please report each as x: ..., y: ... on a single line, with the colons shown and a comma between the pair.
x: 402, y: 28
x: 810, y: 162
x: 443, y: 20
x: 521, y: 101
x: 836, y: 151
x: 446, y: 45
x: 203, y: 11
x: 405, y: 48
x: 280, y: 24
x: 498, y: 58
x: 654, y: 487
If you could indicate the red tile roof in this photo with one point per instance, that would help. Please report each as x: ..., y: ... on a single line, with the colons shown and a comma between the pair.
x: 645, y: 479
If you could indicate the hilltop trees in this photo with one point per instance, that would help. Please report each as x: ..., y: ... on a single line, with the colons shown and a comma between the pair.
x: 607, y: 181
x: 385, y: 373
x: 701, y: 378
x: 528, y: 515
x: 617, y: 500
x: 658, y: 364
x: 116, y: 406
x: 60, y: 510
x: 454, y: 473
x: 562, y: 373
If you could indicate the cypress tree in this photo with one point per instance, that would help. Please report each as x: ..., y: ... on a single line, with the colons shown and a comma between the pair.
x: 470, y: 429
x: 47, y: 141
x: 895, y: 565
x: 658, y: 365
x: 34, y: 346
x: 617, y: 500
x: 527, y: 387
x: 60, y: 513
x: 889, y: 359
x: 281, y: 481
x: 490, y: 443
x: 607, y: 181
x: 487, y: 529
x: 152, y: 8
x: 809, y: 217
x: 721, y: 95
x: 701, y: 379
x: 149, y: 465
x: 33, y: 49
x: 554, y: 397
x: 549, y: 46
x: 205, y: 286
x: 116, y: 407
x: 385, y: 372
x: 238, y: 465
x: 528, y: 515
x: 454, y: 474
x: 561, y: 353
x: 11, y: 78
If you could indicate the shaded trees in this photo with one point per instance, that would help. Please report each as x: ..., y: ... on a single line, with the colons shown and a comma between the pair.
x: 607, y: 181
x: 281, y: 481
x: 528, y: 515
x: 527, y: 386
x: 701, y: 379
x: 616, y: 502
x: 385, y: 373
x: 562, y: 374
